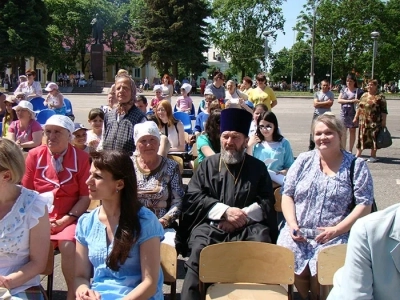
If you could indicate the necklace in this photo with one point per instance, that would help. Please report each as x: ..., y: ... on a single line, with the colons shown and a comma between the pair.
x: 240, y: 171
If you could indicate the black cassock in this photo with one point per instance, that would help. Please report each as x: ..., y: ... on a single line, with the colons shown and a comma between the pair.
x: 212, y: 183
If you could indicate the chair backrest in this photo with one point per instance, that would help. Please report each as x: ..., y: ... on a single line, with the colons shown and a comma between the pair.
x: 48, y: 271
x: 50, y: 262
x: 185, y: 119
x: 251, y: 262
x: 43, y: 115
x: 68, y: 107
x: 195, y: 153
x: 330, y: 259
x: 37, y: 104
x: 179, y: 160
x: 193, y: 110
x: 169, y: 261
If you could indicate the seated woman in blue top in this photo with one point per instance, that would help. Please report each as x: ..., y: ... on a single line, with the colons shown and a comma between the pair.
x: 271, y: 147
x: 120, y: 240
x: 209, y: 143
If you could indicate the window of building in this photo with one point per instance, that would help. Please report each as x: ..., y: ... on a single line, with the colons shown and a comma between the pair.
x: 136, y: 73
x: 39, y: 75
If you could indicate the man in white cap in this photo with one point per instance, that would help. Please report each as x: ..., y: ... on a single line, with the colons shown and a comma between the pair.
x: 59, y: 168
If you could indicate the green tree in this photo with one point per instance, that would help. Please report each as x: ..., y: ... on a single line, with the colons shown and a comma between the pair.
x: 70, y: 32
x: 346, y: 26
x: 23, y: 32
x: 171, y: 33
x: 237, y: 30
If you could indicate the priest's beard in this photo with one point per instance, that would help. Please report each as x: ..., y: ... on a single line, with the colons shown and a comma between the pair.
x: 233, y: 156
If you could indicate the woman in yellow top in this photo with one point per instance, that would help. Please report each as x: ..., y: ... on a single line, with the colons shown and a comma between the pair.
x: 262, y: 94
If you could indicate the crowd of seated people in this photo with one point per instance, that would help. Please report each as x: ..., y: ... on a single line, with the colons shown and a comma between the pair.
x: 113, y: 251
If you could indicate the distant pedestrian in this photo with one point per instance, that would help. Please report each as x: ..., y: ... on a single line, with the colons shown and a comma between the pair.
x: 323, y: 101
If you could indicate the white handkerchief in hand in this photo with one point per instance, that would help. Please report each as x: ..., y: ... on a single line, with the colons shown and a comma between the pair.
x: 254, y: 212
x: 269, y: 161
x: 49, y: 198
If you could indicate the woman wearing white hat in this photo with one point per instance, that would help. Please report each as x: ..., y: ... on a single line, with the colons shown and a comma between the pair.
x: 59, y: 168
x: 25, y: 131
x: 54, y: 100
x: 160, y: 186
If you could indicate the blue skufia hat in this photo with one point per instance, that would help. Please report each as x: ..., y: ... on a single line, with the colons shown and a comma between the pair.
x: 235, y: 119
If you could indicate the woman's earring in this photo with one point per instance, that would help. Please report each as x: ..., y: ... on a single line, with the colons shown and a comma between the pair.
x: 117, y: 190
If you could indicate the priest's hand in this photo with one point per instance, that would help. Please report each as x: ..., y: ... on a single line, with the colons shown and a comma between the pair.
x: 226, y: 226
x: 236, y: 217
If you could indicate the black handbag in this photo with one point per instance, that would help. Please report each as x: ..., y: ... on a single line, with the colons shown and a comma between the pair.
x: 383, y: 138
x: 374, y: 207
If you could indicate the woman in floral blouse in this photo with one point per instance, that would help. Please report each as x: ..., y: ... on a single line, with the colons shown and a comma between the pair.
x: 160, y: 186
x: 24, y: 227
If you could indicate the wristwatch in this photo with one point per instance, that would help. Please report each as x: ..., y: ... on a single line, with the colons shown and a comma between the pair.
x: 72, y: 215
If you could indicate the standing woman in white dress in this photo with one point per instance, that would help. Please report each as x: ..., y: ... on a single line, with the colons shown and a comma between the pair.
x: 166, y: 87
x: 29, y: 89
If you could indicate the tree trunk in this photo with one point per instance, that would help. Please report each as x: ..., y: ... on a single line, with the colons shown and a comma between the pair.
x: 243, y: 73
x: 49, y: 74
x: 22, y: 65
x: 175, y: 69
x: 83, y: 53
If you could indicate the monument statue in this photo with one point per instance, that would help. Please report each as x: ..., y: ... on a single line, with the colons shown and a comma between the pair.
x: 97, y: 29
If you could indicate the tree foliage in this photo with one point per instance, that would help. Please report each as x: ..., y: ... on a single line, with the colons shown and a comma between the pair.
x: 173, y: 32
x: 237, y: 30
x: 71, y: 32
x: 23, y: 31
x: 346, y: 26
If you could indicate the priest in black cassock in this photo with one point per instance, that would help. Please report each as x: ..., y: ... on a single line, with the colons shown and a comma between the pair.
x: 229, y: 199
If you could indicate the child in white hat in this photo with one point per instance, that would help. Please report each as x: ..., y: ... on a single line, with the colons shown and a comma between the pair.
x: 158, y: 96
x: 55, y: 100
x: 184, y: 102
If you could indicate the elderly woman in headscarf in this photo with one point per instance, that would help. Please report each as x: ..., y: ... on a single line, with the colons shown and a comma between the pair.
x: 119, y: 123
x: 159, y: 181
x: 59, y: 171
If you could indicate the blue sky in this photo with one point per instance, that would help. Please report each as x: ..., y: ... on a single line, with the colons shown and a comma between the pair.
x: 291, y: 9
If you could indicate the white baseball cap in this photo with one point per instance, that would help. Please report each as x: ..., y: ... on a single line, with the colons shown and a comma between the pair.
x: 61, y: 121
x: 51, y: 86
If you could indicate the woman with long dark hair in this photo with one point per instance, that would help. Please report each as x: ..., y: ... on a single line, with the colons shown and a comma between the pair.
x: 269, y: 146
x: 349, y: 99
x: 209, y: 142
x: 120, y: 239
x: 10, y: 115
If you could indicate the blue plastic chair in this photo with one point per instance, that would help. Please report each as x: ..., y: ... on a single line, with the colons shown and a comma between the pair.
x: 192, y: 114
x: 1, y: 129
x: 37, y: 104
x: 43, y: 115
x: 68, y: 107
x: 185, y: 119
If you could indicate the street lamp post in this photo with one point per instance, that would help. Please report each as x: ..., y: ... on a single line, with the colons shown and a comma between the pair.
x: 266, y: 34
x: 313, y: 47
x: 374, y: 35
